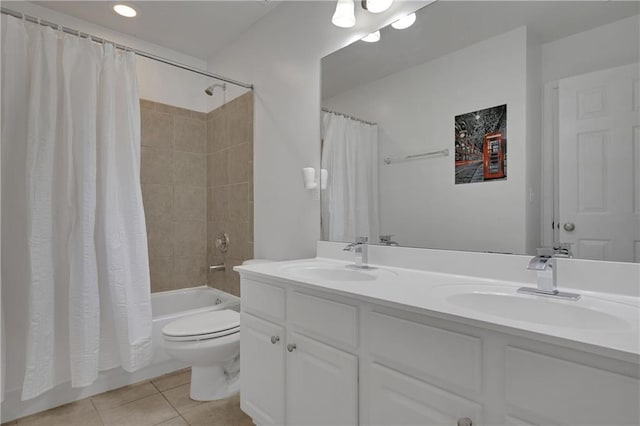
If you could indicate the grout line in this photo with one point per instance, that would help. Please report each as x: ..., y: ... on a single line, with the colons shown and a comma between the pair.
x: 96, y: 408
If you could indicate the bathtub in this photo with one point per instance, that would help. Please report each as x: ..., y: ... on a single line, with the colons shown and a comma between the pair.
x: 166, y: 306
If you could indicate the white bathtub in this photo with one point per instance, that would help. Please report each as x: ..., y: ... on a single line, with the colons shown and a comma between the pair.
x: 166, y: 307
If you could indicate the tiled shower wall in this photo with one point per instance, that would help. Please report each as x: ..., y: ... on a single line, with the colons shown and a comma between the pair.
x: 230, y: 188
x: 197, y: 181
x: 174, y: 190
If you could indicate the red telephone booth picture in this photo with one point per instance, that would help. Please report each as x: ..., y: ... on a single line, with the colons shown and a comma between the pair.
x: 493, y: 152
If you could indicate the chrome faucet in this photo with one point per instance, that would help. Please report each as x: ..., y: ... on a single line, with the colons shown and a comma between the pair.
x: 360, y: 248
x: 385, y: 240
x: 546, y: 266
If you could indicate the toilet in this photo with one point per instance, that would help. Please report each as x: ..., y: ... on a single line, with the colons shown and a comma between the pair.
x: 210, y: 343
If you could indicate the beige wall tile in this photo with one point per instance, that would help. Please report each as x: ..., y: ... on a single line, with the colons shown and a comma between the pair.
x: 216, y: 279
x: 156, y: 165
x: 190, y: 169
x: 190, y: 271
x: 160, y: 237
x: 123, y: 395
x: 147, y: 105
x: 238, y: 163
x: 238, y: 234
x: 78, y: 413
x: 172, y: 380
x: 156, y: 129
x: 218, y: 203
x: 190, y: 202
x: 238, y: 122
x: 158, y: 201
x: 219, y: 169
x: 202, y: 116
x: 239, y: 202
x: 190, y: 135
x: 148, y: 411
x: 250, y: 180
x: 173, y: 110
x: 217, y: 131
x: 232, y: 278
x: 190, y: 238
x: 161, y: 269
x: 250, y: 232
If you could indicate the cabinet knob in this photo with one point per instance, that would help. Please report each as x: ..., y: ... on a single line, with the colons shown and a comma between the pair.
x: 465, y: 421
x: 291, y: 347
x: 275, y: 339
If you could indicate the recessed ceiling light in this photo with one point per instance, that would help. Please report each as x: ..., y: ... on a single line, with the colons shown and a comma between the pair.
x: 372, y: 38
x: 405, y: 22
x: 124, y: 10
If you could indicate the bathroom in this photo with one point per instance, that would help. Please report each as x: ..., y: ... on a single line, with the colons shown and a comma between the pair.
x: 239, y: 106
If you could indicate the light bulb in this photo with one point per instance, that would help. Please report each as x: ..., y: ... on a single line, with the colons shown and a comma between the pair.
x: 405, y: 22
x: 344, y: 16
x: 377, y: 6
x: 124, y: 10
x: 372, y: 38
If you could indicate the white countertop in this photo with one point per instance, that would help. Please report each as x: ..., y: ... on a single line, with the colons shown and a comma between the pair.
x: 426, y: 292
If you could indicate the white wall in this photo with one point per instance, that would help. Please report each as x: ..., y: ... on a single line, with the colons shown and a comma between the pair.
x: 157, y: 82
x: 604, y: 47
x: 281, y: 55
x: 419, y: 201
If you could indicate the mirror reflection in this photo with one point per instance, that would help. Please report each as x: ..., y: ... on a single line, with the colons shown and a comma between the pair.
x: 488, y: 126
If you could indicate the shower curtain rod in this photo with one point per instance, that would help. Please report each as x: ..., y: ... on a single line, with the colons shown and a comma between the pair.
x: 350, y: 116
x: 138, y: 52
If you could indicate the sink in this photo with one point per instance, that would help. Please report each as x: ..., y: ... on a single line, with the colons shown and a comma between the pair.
x: 590, y: 313
x: 329, y: 272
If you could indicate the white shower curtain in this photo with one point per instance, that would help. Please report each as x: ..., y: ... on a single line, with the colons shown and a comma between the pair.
x: 72, y: 205
x: 349, y: 204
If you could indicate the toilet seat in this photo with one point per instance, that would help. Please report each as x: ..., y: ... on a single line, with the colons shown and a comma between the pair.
x: 205, y: 326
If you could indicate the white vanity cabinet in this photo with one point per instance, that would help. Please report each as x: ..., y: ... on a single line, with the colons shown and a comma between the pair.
x: 293, y: 371
x: 313, y: 357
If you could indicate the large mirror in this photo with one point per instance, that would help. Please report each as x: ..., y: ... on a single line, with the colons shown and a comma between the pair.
x: 489, y: 126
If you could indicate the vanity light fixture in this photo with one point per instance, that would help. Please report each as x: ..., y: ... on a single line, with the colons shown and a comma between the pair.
x: 372, y: 38
x: 405, y: 22
x: 376, y: 6
x: 124, y: 10
x: 344, y: 16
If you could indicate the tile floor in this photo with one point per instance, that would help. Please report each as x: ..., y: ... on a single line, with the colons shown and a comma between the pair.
x: 161, y: 401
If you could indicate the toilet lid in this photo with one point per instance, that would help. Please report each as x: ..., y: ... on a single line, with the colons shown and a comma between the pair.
x: 210, y: 323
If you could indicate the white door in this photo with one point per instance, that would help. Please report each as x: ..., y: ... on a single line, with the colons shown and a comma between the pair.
x: 262, y: 370
x: 599, y: 164
x: 322, y: 383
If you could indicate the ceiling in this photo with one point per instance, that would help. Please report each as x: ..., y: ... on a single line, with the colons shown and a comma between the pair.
x: 447, y: 26
x: 196, y: 28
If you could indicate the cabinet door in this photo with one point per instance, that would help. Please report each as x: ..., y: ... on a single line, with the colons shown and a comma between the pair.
x: 322, y: 383
x: 262, y: 370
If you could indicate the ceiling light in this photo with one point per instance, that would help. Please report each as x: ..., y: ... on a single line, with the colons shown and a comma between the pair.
x: 372, y: 38
x: 405, y: 22
x: 376, y: 6
x: 124, y: 10
x: 344, y: 16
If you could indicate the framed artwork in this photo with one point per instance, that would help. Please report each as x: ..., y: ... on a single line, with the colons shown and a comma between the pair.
x: 481, y: 145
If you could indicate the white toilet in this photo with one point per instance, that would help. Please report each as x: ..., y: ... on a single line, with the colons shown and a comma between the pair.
x: 210, y: 343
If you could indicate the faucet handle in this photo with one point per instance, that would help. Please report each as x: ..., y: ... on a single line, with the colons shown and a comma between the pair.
x: 362, y: 240
x: 562, y: 250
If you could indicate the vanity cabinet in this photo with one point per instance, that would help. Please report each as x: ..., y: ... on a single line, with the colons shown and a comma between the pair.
x: 292, y: 371
x: 315, y: 357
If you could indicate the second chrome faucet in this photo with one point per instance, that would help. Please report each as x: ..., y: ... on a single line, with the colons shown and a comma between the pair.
x: 361, y: 250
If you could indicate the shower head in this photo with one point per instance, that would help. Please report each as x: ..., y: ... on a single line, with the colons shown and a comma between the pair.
x: 209, y: 90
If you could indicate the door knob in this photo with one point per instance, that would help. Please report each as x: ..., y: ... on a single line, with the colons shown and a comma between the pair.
x: 465, y: 421
x: 291, y: 347
x: 569, y: 226
x: 275, y: 339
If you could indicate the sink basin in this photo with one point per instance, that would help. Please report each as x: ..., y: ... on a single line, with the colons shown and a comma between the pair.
x: 333, y: 272
x: 588, y: 313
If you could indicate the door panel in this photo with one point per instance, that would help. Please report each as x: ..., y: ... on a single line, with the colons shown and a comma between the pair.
x: 321, y: 384
x: 599, y: 183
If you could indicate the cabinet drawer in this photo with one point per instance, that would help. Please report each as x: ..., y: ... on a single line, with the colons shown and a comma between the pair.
x: 566, y: 392
x: 397, y: 399
x: 423, y: 350
x: 324, y: 318
x: 263, y: 299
